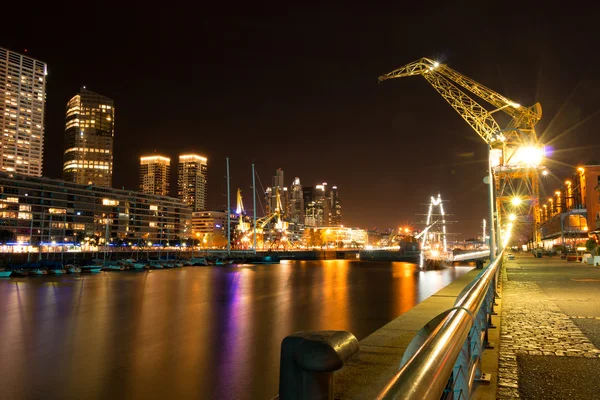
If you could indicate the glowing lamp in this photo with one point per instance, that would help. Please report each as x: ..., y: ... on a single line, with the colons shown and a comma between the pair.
x: 512, y: 217
x: 528, y: 155
x: 516, y: 201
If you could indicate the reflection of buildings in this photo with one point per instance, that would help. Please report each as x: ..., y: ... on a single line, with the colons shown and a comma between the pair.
x: 155, y: 175
x: 191, y: 180
x: 48, y: 210
x: 22, y: 103
x: 89, y: 134
x: 573, y: 211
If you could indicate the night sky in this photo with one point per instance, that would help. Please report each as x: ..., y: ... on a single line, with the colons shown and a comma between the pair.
x: 295, y: 86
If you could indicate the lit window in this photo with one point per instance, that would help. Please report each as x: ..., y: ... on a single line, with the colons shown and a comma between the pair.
x: 11, y: 199
x: 24, y: 215
x: 153, y: 208
x: 109, y: 202
x: 57, y: 211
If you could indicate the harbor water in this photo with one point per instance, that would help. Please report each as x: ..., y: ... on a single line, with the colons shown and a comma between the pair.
x: 188, y: 333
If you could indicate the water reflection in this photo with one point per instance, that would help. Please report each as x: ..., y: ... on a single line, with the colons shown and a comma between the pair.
x: 211, y: 332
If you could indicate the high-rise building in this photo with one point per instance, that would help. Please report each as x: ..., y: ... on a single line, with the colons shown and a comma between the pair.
x: 271, y: 194
x: 155, y: 173
x: 22, y: 103
x: 89, y: 134
x: 191, y: 180
x: 322, y: 206
x: 336, y: 207
x: 296, y: 203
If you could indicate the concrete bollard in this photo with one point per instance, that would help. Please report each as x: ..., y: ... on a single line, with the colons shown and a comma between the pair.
x: 308, y: 361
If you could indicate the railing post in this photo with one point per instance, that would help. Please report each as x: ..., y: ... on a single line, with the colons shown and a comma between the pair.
x: 308, y: 361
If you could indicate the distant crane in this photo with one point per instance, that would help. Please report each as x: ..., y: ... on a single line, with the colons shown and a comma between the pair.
x: 516, y: 157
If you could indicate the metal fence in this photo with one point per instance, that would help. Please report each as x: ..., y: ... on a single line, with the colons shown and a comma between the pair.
x: 444, y: 360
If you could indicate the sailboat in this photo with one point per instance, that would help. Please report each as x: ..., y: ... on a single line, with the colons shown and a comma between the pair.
x: 259, y: 259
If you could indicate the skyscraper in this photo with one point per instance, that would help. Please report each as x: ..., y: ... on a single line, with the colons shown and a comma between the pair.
x: 22, y: 103
x: 89, y: 134
x: 191, y: 180
x: 336, y: 207
x: 296, y: 203
x: 271, y: 194
x: 155, y: 172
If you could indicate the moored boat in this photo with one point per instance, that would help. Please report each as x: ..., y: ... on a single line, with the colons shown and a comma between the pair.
x: 268, y: 259
x: 113, y: 268
x: 197, y: 261
x: 153, y: 264
x: 5, y: 273
x: 20, y: 272
x: 57, y: 271
x: 139, y: 265
x: 72, y: 269
x: 91, y: 268
x: 38, y: 271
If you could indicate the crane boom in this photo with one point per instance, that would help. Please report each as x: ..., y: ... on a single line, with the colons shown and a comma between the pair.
x: 521, y: 156
x: 445, y: 80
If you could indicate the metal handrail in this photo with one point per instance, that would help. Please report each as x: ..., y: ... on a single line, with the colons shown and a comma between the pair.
x: 449, y: 359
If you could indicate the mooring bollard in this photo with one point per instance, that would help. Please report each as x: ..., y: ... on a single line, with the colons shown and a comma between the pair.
x: 308, y: 361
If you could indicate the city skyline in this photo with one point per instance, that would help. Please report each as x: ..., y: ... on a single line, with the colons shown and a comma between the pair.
x: 402, y: 155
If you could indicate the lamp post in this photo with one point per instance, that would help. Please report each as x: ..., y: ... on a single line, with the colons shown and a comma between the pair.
x: 490, y: 179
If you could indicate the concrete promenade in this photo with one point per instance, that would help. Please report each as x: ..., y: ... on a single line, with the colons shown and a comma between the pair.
x: 380, y: 353
x: 550, y: 330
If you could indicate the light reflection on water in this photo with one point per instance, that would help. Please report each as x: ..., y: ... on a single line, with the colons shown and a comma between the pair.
x: 208, y: 332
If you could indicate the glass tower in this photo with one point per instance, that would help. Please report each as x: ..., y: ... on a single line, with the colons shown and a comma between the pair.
x: 89, y: 135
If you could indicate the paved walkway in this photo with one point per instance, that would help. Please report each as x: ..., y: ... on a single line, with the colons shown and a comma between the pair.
x: 550, y: 330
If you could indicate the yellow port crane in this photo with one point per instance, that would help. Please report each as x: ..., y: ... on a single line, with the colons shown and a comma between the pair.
x: 516, y: 157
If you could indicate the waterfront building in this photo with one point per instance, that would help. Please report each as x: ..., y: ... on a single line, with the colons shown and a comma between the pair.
x: 209, y: 228
x: 89, y: 136
x: 22, y: 105
x: 42, y: 210
x: 155, y: 175
x: 572, y: 212
x: 338, y: 237
x: 191, y: 180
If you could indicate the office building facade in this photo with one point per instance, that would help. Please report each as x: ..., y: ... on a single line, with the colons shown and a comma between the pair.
x: 51, y: 211
x: 22, y: 105
x: 89, y: 136
x: 155, y: 175
x: 191, y: 180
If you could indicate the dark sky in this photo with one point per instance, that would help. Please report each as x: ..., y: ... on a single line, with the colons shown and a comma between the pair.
x: 295, y: 86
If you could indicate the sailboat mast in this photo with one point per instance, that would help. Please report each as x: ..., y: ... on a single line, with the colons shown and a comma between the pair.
x: 228, y: 212
x: 254, y: 206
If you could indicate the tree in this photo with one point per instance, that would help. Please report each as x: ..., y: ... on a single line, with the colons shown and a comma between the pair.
x: 591, y: 245
x: 6, y: 236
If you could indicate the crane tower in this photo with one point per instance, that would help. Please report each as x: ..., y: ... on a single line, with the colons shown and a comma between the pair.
x: 516, y: 157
